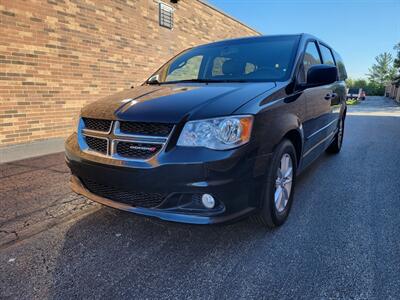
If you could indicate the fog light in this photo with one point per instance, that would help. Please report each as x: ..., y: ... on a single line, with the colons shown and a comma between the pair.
x: 208, y: 200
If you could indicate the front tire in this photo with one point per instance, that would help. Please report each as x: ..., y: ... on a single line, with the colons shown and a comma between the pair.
x: 279, y: 186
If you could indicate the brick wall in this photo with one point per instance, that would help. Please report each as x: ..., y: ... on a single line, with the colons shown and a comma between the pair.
x: 56, y: 56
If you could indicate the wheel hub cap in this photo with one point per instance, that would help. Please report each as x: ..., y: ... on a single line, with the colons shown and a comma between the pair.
x: 283, y: 182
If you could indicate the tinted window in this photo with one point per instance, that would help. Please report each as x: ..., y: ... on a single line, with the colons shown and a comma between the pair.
x: 311, y: 58
x: 188, y: 69
x: 326, y: 55
x: 260, y: 59
x: 219, y: 62
x: 340, y: 66
x: 217, y: 66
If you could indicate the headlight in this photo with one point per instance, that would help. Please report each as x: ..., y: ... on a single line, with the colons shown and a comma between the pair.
x: 217, y: 133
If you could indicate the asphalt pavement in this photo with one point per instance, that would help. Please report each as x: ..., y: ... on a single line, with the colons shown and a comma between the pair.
x: 341, y: 241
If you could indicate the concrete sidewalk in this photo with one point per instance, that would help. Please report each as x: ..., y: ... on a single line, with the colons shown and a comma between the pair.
x: 375, y: 106
x: 35, y: 195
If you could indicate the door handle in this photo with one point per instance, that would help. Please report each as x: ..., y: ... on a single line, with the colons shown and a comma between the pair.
x: 330, y: 96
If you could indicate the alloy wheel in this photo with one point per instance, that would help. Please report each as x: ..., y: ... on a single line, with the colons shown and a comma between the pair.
x: 283, y: 182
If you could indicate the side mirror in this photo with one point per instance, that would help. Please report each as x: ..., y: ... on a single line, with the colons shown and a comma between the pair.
x: 321, y: 75
x: 153, y: 79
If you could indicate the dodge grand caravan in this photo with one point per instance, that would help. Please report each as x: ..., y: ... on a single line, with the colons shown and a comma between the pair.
x: 218, y: 133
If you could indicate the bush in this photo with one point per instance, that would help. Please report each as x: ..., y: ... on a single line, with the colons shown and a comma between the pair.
x: 352, y: 102
x: 370, y: 88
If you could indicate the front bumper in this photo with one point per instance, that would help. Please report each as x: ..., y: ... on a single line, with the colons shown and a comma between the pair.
x: 234, y: 178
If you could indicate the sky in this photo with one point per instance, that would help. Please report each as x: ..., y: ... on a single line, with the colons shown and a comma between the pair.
x: 358, y: 29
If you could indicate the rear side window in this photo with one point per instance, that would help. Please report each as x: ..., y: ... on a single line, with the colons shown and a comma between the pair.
x: 340, y: 66
x: 311, y: 58
x: 327, y: 56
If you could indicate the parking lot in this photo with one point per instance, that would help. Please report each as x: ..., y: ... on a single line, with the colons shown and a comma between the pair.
x: 340, y: 241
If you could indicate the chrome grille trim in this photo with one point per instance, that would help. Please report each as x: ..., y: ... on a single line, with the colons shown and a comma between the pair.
x: 97, y: 131
x: 89, y: 150
x: 114, y: 136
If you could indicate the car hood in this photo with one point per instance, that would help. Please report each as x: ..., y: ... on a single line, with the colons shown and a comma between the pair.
x: 173, y: 102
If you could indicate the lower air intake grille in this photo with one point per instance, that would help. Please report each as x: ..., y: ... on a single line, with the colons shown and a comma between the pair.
x: 137, y: 150
x: 144, y: 128
x: 139, y: 199
x: 97, y: 124
x: 96, y: 144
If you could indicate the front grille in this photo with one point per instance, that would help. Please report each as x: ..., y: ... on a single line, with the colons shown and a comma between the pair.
x: 97, y: 124
x: 140, y: 199
x: 96, y: 144
x: 144, y: 128
x: 137, y: 150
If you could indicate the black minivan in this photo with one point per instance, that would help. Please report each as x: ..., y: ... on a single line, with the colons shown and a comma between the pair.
x: 218, y: 133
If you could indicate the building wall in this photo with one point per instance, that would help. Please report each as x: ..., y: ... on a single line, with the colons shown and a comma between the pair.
x: 393, y: 91
x: 58, y: 55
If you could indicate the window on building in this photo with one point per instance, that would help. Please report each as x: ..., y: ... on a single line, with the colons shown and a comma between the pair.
x: 166, y: 15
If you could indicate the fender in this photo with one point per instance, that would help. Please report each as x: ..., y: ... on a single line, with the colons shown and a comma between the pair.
x: 275, y: 119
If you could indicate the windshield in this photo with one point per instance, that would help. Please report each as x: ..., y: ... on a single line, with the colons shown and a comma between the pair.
x: 264, y: 59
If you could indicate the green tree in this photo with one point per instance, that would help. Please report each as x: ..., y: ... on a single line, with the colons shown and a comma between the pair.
x: 397, y: 59
x: 356, y: 83
x: 360, y: 83
x: 371, y: 88
x: 349, y: 82
x: 382, y: 71
x: 396, y: 62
